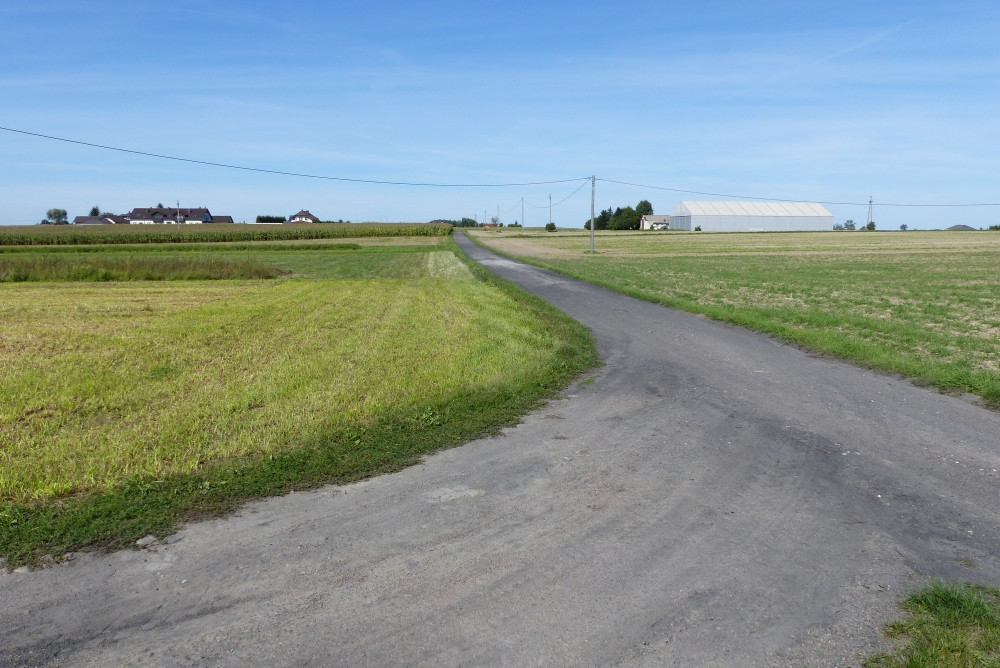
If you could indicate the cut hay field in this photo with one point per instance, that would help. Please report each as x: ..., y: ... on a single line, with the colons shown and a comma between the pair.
x: 128, y: 406
x: 922, y: 304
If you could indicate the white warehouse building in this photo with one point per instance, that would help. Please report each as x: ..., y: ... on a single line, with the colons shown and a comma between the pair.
x: 751, y: 217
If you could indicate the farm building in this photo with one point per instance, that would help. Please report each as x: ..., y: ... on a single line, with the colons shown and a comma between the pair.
x: 165, y: 215
x: 751, y: 217
x: 651, y: 222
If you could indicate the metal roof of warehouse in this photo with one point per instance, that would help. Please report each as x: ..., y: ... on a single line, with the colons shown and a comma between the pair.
x: 750, y: 209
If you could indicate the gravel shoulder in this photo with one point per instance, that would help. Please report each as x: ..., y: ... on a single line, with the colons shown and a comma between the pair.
x: 707, y: 497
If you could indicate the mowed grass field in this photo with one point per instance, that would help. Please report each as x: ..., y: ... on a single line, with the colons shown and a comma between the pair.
x: 922, y: 304
x: 128, y: 406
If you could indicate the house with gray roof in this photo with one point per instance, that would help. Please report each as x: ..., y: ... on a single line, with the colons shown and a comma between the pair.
x: 303, y: 217
x: 167, y: 215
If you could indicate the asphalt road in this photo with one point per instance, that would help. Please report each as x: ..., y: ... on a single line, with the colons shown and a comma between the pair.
x: 708, y: 497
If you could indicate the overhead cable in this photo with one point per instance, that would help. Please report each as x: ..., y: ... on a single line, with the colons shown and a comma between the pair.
x: 296, y: 174
x: 545, y: 206
x: 584, y: 179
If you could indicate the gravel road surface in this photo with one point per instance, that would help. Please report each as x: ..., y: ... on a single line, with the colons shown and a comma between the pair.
x: 708, y: 497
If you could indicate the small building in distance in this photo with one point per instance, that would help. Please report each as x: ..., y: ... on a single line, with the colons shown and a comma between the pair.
x: 751, y: 217
x: 303, y: 217
x: 654, y: 222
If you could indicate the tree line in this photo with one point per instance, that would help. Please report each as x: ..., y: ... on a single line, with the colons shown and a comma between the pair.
x: 627, y: 218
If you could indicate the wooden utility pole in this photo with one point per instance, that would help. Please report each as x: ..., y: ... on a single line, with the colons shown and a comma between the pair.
x: 593, y: 188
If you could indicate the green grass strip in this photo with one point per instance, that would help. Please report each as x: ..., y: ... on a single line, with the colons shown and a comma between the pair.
x: 18, y: 269
x: 232, y: 246
x: 35, y: 235
x: 950, y: 625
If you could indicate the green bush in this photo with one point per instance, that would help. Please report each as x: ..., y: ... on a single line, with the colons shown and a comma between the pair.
x: 550, y: 227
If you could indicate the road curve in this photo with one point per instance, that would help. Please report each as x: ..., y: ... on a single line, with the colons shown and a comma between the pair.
x: 709, y: 496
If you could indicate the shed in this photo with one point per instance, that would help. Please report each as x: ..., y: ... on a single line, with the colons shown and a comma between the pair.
x: 751, y: 217
x: 652, y: 222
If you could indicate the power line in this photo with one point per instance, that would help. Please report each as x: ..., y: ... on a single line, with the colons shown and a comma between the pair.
x: 545, y: 206
x: 471, y: 185
x: 780, y: 199
x: 282, y: 173
x: 572, y: 193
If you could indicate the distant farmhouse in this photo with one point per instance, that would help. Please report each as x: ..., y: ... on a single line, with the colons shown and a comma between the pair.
x: 751, y: 217
x: 168, y: 215
x: 303, y: 217
x: 155, y: 216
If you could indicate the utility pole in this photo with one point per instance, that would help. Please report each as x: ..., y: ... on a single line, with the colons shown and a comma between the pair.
x: 522, y: 212
x: 593, y: 187
x: 870, y: 200
x: 550, y: 209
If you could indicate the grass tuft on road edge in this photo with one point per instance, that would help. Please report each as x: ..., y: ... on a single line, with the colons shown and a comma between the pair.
x: 950, y: 625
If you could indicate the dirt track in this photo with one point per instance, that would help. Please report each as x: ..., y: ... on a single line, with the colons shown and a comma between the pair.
x: 712, y: 498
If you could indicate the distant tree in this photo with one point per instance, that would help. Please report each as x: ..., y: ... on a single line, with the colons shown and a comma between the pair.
x: 95, y: 210
x: 838, y: 226
x: 624, y: 219
x: 620, y: 218
x: 159, y: 205
x: 849, y: 224
x: 601, y: 221
x: 270, y: 219
x: 551, y: 227
x: 870, y: 226
x: 903, y: 227
x: 56, y: 216
x: 465, y: 222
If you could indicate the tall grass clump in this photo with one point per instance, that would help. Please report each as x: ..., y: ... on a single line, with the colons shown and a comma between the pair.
x: 949, y: 625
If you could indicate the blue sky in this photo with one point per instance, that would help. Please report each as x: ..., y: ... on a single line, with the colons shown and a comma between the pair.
x: 831, y: 102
